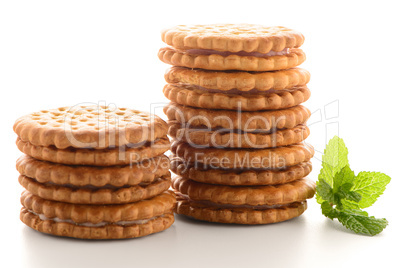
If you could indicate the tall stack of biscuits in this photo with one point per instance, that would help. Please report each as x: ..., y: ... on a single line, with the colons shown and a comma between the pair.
x: 237, y: 123
x: 94, y: 172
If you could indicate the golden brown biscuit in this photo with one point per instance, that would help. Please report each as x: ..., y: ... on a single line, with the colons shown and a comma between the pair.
x: 270, y: 195
x: 240, y: 177
x: 236, y: 80
x: 96, y: 157
x: 241, y: 158
x: 215, y: 61
x: 213, y: 213
x: 90, y: 126
x: 99, y: 214
x: 232, y: 37
x: 232, y: 47
x: 192, y: 96
x: 246, y: 121
x: 221, y: 138
x: 95, y: 195
x: 146, y: 171
x: 110, y: 231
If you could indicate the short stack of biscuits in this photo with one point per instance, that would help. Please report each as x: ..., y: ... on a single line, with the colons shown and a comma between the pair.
x: 237, y: 123
x: 94, y: 172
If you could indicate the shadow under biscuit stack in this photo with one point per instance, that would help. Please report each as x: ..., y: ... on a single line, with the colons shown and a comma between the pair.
x: 92, y: 172
x: 237, y: 123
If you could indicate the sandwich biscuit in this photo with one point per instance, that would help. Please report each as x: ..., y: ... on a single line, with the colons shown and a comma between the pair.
x: 98, y: 221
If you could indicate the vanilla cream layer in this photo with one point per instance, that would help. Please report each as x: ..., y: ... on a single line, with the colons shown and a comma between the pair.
x: 208, y: 52
x: 235, y: 91
x: 219, y: 130
x: 228, y: 206
x: 92, y: 187
x: 99, y: 224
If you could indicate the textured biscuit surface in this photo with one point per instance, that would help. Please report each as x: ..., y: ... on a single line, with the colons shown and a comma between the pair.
x: 247, y: 121
x: 242, y: 81
x: 110, y: 231
x: 95, y: 157
x: 143, y: 172
x: 237, y: 139
x: 99, y: 196
x: 294, y: 58
x: 241, y: 177
x: 95, y: 214
x: 241, y: 158
x: 296, y: 191
x: 232, y: 37
x: 89, y: 127
x: 240, y: 216
x: 191, y: 96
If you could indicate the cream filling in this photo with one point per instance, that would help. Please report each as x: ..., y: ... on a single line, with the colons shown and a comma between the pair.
x: 234, y: 91
x: 228, y: 206
x: 93, y: 187
x: 203, y: 167
x: 90, y: 224
x: 219, y: 130
x: 208, y: 52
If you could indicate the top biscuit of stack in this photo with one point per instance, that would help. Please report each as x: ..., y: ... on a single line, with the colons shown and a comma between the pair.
x: 244, y: 47
x: 91, y: 135
x: 96, y: 127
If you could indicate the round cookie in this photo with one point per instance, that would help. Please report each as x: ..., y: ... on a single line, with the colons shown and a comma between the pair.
x: 244, y: 62
x: 98, y: 222
x: 190, y: 95
x: 257, y: 82
x: 92, y: 126
x: 110, y: 231
x: 232, y: 47
x: 95, y: 195
x: 99, y: 215
x: 240, y: 158
x: 239, y: 120
x: 95, y: 157
x: 213, y: 213
x: 44, y: 172
x: 232, y: 37
x: 223, y: 138
x: 270, y: 195
x: 242, y: 177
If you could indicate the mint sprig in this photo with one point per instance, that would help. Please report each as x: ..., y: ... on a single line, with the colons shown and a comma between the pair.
x: 343, y: 195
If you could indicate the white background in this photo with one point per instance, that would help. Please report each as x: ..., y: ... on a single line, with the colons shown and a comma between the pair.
x: 60, y: 53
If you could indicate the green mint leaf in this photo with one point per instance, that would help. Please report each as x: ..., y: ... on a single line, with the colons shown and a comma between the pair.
x: 328, y: 210
x: 359, y: 222
x: 334, y: 159
x: 342, y: 195
x: 345, y: 187
x: 344, y: 176
x: 356, y: 211
x: 343, y: 182
x: 344, y: 192
x: 370, y: 185
x: 324, y: 192
x: 355, y: 219
x: 348, y: 204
